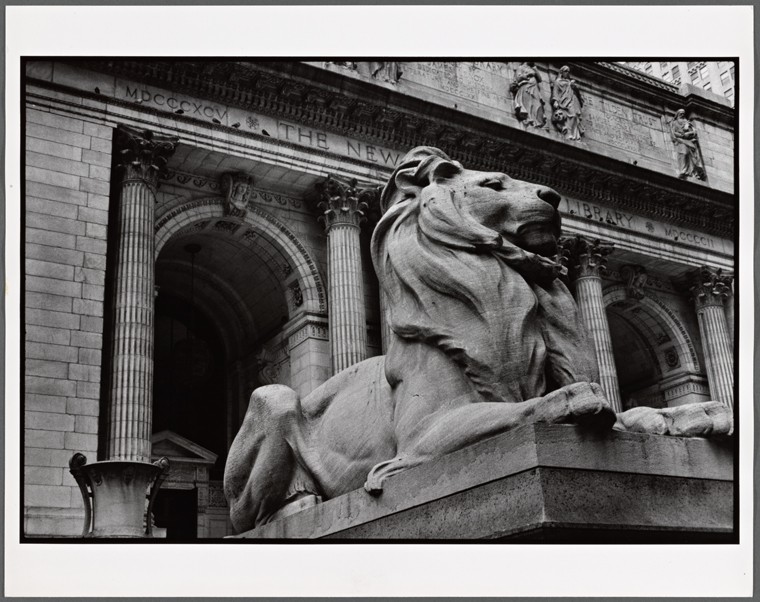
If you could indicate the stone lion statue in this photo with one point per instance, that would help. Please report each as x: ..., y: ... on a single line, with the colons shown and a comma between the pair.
x: 485, y: 338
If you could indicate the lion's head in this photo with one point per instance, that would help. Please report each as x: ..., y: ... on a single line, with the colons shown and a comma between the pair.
x: 473, y: 208
x: 464, y: 257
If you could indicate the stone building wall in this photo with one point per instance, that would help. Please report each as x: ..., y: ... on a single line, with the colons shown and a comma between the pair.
x: 68, y: 169
x: 617, y: 123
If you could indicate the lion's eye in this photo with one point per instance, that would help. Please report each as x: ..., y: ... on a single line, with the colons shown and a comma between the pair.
x: 493, y: 184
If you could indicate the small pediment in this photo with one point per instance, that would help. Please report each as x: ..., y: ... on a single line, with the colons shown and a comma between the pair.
x: 176, y: 447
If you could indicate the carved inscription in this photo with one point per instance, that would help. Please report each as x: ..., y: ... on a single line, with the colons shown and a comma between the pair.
x: 629, y: 221
x: 317, y: 140
x: 469, y: 81
x: 618, y: 125
x: 190, y: 107
x: 612, y: 130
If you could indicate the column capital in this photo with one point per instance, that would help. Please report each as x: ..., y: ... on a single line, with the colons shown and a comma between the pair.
x: 708, y: 286
x: 345, y: 202
x: 143, y: 154
x: 583, y: 256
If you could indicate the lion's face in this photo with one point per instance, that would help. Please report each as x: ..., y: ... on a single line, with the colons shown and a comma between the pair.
x: 524, y: 214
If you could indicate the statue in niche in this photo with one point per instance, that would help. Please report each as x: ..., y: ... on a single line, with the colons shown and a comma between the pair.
x: 567, y: 103
x: 529, y: 106
x: 688, y: 154
x: 387, y: 71
x: 237, y: 188
x: 484, y: 338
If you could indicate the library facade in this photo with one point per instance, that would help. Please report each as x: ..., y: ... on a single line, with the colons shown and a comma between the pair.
x: 197, y: 229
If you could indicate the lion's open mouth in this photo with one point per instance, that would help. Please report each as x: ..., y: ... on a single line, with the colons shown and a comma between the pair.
x: 544, y: 226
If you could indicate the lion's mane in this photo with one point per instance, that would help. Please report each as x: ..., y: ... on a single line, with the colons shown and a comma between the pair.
x: 499, y: 312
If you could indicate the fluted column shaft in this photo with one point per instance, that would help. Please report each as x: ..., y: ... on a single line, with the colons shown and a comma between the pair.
x: 587, y: 260
x: 344, y: 208
x: 347, y: 315
x: 709, y: 289
x: 131, y: 399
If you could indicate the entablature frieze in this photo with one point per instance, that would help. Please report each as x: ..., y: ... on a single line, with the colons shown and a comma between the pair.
x: 213, y: 185
x: 394, y: 120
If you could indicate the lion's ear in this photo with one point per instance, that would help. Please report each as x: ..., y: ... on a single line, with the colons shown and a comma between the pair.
x: 421, y: 166
x: 444, y: 170
x: 431, y: 169
x: 407, y: 183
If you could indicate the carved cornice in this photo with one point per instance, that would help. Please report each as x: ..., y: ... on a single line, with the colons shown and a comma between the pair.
x: 639, y: 75
x: 327, y: 100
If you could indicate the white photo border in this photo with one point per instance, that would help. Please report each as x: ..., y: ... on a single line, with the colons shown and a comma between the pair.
x: 365, y: 569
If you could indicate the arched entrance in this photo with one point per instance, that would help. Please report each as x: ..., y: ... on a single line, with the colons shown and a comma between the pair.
x: 229, y: 290
x: 655, y: 359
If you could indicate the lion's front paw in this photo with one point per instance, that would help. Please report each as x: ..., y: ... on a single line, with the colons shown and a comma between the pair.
x: 708, y: 419
x: 580, y: 403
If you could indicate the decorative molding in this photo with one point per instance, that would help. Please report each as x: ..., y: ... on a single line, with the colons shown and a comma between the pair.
x: 256, y: 86
x: 640, y: 76
x: 651, y: 281
x: 202, y: 183
x: 190, y: 180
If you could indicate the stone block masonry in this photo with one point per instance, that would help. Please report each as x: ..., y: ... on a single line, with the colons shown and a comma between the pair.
x: 68, y: 171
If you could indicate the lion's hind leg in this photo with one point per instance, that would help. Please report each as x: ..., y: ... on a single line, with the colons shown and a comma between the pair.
x: 261, y: 466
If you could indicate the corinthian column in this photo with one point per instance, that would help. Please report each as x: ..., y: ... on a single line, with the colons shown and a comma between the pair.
x: 343, y: 208
x: 709, y: 289
x: 143, y: 154
x: 586, y: 259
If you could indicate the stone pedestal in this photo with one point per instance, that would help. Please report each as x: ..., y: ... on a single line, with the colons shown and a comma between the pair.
x: 587, y: 259
x: 710, y: 289
x: 542, y: 483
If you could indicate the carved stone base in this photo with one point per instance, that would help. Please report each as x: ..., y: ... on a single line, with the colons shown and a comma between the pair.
x: 116, y: 495
x: 542, y: 483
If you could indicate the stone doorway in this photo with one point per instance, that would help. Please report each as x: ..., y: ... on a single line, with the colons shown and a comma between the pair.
x: 221, y: 302
x: 176, y: 511
x: 181, y: 506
